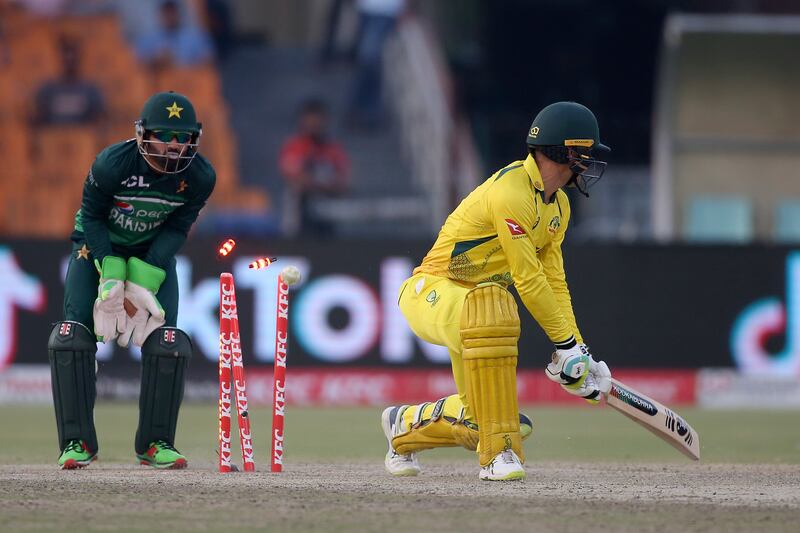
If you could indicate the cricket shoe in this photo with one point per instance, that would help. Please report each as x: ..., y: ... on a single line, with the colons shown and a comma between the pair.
x: 506, y: 466
x: 75, y: 455
x: 396, y: 464
x: 161, y: 454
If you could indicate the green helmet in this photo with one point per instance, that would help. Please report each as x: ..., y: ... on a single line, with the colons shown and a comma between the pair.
x: 169, y: 111
x: 567, y: 133
x: 165, y: 117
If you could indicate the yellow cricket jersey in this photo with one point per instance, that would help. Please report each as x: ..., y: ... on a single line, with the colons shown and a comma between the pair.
x: 506, y: 233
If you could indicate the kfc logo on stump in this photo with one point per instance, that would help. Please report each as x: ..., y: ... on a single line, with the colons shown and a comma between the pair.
x: 516, y: 230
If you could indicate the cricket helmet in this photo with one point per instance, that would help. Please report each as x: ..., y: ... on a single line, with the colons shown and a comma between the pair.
x: 166, y: 117
x: 567, y: 133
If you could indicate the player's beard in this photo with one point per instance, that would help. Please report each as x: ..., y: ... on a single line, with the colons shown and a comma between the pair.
x: 172, y: 159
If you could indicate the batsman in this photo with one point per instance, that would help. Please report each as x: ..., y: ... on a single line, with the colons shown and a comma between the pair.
x: 508, y: 231
x: 140, y: 199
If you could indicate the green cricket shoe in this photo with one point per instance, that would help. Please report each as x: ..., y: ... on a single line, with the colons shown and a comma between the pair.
x: 76, y: 455
x: 162, y: 454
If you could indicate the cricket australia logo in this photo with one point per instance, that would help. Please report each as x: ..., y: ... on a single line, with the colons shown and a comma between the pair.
x: 433, y: 298
x: 554, y: 224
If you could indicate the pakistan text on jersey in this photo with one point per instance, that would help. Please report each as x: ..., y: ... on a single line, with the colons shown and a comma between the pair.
x: 128, y: 223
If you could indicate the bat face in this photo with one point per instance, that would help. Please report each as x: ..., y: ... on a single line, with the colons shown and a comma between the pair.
x: 654, y: 417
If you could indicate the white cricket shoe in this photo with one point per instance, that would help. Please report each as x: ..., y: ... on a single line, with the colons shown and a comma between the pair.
x: 506, y: 466
x: 396, y: 464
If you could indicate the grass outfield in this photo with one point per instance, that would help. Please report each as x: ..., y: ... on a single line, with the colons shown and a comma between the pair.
x: 353, y: 434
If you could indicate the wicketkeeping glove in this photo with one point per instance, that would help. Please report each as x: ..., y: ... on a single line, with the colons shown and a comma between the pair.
x: 579, y: 374
x: 145, y: 313
x: 108, y: 313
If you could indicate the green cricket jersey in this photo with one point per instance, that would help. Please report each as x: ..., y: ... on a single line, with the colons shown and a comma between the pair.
x: 128, y: 209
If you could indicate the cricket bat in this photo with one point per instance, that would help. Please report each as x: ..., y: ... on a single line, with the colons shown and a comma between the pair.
x: 655, y: 417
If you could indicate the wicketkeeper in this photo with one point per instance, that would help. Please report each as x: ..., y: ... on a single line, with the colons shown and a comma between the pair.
x: 139, y: 200
x: 508, y: 231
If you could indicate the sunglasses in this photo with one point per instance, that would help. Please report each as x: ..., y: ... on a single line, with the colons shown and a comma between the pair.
x: 166, y: 136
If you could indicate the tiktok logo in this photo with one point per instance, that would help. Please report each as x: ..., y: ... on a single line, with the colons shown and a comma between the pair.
x: 19, y: 290
x: 765, y: 319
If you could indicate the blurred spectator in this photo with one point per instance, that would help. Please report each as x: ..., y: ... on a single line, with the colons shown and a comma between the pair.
x: 220, y: 25
x: 174, y: 42
x: 329, y: 51
x: 377, y: 19
x: 47, y: 8
x: 314, y: 166
x: 54, y: 8
x: 68, y: 99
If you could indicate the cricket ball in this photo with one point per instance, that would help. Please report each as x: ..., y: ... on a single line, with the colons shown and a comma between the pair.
x: 290, y: 275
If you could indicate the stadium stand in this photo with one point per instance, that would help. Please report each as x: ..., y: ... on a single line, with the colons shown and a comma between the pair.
x: 719, y: 218
x: 787, y: 221
x: 40, y: 191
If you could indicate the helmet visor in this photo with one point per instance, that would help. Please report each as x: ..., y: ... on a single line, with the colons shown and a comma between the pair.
x: 166, y: 136
x: 586, y: 169
x: 167, y: 157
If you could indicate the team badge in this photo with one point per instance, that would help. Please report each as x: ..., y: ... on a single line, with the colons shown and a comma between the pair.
x: 83, y: 253
x: 182, y: 186
x: 433, y: 298
x: 174, y: 110
x: 554, y: 224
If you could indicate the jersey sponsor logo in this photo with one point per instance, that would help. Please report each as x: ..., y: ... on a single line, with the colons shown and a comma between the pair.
x: 141, y: 214
x: 135, y: 181
x: 124, y: 207
x: 514, y: 228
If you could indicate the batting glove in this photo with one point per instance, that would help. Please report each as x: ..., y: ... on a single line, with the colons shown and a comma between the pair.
x: 579, y: 374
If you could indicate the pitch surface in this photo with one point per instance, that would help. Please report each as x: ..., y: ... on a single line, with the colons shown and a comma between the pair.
x: 588, y: 469
x: 447, y: 497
